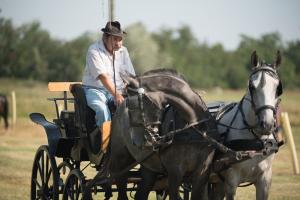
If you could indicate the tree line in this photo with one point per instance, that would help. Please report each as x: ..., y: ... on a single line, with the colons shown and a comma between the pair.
x: 29, y: 52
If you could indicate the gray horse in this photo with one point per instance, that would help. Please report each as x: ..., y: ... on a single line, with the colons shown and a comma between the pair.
x: 250, y: 125
x: 188, y: 159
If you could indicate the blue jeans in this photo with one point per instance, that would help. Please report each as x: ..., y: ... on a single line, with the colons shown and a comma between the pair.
x: 97, y: 100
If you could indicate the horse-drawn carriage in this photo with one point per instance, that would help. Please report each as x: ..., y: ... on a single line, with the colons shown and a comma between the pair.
x: 74, y: 137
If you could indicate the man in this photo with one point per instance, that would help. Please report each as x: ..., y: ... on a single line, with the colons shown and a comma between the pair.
x: 105, y: 60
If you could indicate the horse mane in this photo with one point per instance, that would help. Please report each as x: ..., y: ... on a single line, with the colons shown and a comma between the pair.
x: 168, y: 71
x: 173, y: 73
x: 165, y: 71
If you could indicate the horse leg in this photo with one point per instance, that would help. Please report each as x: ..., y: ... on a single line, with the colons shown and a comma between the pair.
x: 107, y: 190
x: 199, y: 191
x: 263, y: 185
x: 200, y: 184
x: 232, y: 181
x: 230, y: 192
x: 216, y: 191
x: 174, y: 180
x: 121, y: 183
x: 146, y: 184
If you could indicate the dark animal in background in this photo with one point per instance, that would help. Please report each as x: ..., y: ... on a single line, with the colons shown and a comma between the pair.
x: 4, y: 109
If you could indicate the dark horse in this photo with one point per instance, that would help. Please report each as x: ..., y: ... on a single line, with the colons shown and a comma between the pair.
x: 4, y: 109
x: 190, y: 159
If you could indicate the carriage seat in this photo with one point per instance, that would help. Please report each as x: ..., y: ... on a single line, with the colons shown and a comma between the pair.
x: 85, y: 118
x: 84, y: 115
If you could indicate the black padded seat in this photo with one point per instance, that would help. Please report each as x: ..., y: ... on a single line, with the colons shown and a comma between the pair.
x: 85, y: 120
x: 84, y: 115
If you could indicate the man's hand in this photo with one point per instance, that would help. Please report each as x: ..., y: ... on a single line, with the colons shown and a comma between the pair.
x: 104, y: 78
x: 119, y: 98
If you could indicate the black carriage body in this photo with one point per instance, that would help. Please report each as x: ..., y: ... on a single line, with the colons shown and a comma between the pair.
x: 73, y: 134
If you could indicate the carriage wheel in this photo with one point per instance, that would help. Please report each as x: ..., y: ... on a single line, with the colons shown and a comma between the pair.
x: 75, y: 186
x: 44, y: 177
x: 64, y: 168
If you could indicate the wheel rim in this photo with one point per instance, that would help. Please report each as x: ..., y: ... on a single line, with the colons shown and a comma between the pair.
x: 44, y: 176
x: 74, y: 186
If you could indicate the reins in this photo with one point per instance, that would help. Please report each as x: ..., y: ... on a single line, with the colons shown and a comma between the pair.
x: 159, y: 140
x: 229, y: 127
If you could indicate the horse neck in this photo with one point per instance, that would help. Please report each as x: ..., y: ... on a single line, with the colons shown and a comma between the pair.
x: 248, y: 109
x: 164, y: 83
x: 251, y: 116
x: 175, y: 86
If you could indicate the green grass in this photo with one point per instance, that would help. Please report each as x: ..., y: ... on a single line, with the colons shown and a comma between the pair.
x: 19, y: 144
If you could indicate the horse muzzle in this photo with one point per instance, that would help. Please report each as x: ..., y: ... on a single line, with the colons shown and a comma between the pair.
x: 266, y: 122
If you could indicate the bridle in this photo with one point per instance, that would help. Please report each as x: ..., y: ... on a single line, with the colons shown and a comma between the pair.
x: 265, y: 69
x: 153, y: 137
x: 141, y: 96
x: 272, y: 72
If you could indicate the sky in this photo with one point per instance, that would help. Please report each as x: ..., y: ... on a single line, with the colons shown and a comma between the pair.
x: 211, y: 21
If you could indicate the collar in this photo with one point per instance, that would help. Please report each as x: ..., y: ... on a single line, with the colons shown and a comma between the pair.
x: 102, y: 47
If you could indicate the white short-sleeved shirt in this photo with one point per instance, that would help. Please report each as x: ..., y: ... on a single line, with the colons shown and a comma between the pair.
x: 99, y: 61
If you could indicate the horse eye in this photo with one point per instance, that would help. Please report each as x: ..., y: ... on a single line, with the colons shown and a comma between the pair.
x: 254, y: 76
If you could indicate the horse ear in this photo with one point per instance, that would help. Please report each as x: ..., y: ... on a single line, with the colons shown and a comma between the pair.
x: 129, y: 79
x: 254, y: 59
x: 278, y: 60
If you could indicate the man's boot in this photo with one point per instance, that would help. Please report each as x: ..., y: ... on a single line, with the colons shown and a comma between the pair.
x: 105, y: 130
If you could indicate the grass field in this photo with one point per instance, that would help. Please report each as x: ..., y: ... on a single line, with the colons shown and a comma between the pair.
x: 19, y: 143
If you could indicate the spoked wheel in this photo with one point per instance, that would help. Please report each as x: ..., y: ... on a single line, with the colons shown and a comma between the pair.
x: 75, y: 187
x: 64, y: 169
x: 44, y: 177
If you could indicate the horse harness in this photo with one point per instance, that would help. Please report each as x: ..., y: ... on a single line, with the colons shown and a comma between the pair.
x: 261, y: 147
x: 136, y: 109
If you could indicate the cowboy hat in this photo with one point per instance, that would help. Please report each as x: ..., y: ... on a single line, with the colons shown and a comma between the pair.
x: 113, y: 28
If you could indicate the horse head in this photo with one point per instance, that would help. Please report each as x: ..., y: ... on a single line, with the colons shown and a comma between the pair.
x: 159, y: 88
x: 265, y: 88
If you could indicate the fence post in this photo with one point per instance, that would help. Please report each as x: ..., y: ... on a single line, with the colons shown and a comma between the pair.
x: 289, y: 135
x: 14, y: 108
